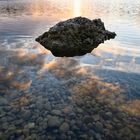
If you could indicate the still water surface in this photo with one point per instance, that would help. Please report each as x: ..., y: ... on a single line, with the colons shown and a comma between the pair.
x: 29, y: 73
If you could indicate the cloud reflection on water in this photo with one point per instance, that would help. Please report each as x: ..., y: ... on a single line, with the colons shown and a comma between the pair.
x: 37, y: 77
x: 32, y: 80
x: 80, y: 81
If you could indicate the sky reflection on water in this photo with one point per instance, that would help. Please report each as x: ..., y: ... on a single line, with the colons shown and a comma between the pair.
x: 25, y: 20
x: 33, y: 80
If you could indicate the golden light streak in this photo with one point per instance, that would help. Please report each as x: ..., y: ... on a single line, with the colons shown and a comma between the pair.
x: 77, y: 8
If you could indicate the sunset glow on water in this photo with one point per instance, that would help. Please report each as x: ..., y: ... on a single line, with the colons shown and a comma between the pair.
x: 94, y: 96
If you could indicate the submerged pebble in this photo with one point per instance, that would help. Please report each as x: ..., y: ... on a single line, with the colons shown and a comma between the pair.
x: 53, y: 121
x: 64, y: 127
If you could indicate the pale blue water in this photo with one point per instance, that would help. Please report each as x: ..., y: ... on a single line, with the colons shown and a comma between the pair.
x: 25, y: 66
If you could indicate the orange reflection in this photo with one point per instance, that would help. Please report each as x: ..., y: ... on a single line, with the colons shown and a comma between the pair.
x: 82, y: 71
x: 132, y: 107
x: 21, y: 101
x: 41, y: 50
x: 21, y: 85
x: 37, y: 8
x: 95, y: 85
x: 12, y: 74
x: 46, y: 9
x: 49, y: 65
x: 63, y: 9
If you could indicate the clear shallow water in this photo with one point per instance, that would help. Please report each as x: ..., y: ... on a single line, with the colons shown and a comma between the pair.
x: 34, y: 84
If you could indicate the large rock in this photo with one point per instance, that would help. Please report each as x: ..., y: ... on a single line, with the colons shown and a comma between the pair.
x: 76, y: 36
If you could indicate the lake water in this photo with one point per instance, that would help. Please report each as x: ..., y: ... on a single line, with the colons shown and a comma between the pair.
x: 95, y: 96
